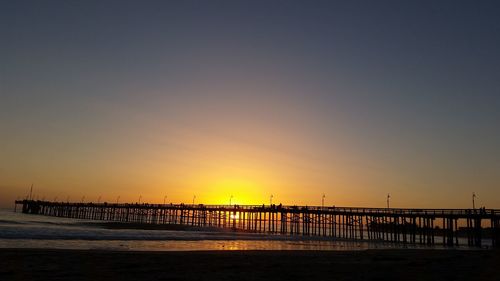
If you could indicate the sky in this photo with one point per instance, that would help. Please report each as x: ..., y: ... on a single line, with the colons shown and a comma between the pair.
x: 213, y: 99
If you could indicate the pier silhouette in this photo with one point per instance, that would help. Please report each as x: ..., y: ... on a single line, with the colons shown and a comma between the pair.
x: 449, y: 227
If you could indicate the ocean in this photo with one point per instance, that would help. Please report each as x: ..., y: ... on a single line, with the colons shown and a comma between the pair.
x: 18, y: 230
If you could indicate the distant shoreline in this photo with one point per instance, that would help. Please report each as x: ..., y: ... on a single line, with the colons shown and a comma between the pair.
x: 38, y: 264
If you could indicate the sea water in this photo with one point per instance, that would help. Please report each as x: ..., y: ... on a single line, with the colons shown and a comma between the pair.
x: 18, y: 230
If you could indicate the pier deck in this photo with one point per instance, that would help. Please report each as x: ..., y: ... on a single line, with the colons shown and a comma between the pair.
x: 450, y: 227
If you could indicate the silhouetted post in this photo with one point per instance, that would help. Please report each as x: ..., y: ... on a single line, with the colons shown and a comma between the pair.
x: 473, y: 200
x: 388, y: 199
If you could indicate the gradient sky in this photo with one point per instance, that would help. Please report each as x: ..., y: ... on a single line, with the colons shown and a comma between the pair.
x: 354, y: 99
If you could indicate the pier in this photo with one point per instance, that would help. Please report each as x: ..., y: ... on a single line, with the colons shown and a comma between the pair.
x: 449, y: 227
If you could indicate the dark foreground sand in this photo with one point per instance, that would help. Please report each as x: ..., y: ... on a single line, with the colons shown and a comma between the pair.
x: 17, y: 264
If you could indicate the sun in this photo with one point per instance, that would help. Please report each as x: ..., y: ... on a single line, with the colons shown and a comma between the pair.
x: 234, y: 191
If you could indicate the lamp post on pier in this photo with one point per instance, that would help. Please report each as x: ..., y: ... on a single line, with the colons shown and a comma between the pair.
x: 31, y: 192
x: 473, y: 200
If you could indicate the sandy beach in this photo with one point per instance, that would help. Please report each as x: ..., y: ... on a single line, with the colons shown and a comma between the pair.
x: 33, y: 264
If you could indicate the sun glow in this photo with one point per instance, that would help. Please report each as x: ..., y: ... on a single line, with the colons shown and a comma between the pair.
x: 235, y: 191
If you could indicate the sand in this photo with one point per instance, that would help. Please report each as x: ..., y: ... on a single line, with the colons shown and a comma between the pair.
x: 27, y: 264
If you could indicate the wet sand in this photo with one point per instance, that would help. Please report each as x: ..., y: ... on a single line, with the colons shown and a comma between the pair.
x: 28, y: 264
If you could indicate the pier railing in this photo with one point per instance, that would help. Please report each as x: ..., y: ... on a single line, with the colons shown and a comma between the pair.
x: 450, y: 227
